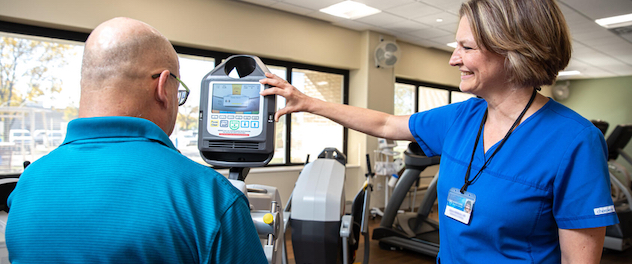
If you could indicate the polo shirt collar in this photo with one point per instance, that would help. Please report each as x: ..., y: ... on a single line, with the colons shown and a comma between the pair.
x: 113, y: 127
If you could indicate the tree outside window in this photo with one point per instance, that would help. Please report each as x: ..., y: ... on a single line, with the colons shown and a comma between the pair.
x: 36, y: 83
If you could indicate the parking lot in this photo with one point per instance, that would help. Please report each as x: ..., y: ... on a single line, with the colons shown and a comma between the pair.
x: 12, y: 156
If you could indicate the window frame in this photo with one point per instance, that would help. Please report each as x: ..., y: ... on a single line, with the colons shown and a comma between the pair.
x: 417, y: 84
x: 39, y: 31
x: 288, y: 128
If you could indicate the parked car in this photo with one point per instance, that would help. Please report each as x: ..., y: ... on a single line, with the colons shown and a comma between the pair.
x: 52, y: 137
x: 191, y: 139
x: 20, y: 137
x: 185, y: 138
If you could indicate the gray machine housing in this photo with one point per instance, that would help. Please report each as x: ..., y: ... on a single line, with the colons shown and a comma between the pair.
x: 318, y: 202
x: 245, y: 151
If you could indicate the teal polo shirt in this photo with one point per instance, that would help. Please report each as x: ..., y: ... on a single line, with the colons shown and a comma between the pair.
x: 117, y: 191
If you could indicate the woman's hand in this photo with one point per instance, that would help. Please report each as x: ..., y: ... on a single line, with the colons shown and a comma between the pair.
x: 367, y: 121
x: 295, y: 101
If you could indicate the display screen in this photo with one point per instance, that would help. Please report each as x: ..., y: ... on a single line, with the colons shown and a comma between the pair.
x: 236, y: 109
x: 233, y: 98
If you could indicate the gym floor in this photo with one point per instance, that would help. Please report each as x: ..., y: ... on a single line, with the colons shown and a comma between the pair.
x: 381, y: 256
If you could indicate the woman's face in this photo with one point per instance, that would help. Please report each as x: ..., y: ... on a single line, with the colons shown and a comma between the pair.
x: 482, y: 71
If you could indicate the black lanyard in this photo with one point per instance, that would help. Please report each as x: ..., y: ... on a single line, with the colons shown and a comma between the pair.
x: 468, y: 182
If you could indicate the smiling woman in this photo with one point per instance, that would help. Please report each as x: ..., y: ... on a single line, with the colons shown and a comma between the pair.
x: 479, y: 67
x: 512, y: 151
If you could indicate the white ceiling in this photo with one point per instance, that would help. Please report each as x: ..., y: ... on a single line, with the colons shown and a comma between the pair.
x: 597, y: 52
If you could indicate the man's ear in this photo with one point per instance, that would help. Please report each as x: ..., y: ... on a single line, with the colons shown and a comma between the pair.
x: 160, y: 92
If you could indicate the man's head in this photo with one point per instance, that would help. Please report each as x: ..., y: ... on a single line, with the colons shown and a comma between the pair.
x: 121, y: 55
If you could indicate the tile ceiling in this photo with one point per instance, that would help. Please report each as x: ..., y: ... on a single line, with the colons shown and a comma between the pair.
x: 597, y: 52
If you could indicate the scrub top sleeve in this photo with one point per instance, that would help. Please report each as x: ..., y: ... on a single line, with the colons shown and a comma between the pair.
x: 430, y: 128
x: 237, y: 240
x: 581, y: 195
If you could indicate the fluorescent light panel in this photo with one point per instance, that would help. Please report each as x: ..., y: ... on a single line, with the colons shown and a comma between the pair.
x: 615, y: 21
x: 350, y: 10
x: 568, y: 73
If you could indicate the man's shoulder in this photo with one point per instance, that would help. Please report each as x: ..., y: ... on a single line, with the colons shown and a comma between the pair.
x: 206, y: 176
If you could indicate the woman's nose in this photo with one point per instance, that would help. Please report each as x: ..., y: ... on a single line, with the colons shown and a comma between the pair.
x: 455, y: 59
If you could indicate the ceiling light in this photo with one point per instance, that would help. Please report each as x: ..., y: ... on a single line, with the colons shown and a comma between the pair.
x: 615, y: 21
x: 568, y: 73
x: 439, y: 20
x: 350, y: 10
x: 452, y: 44
x: 322, y: 83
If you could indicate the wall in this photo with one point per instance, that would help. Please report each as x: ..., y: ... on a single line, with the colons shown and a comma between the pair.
x: 428, y: 65
x: 607, y: 99
x: 230, y: 26
x: 378, y: 95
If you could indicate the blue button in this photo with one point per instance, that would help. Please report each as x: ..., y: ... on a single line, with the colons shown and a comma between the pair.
x: 244, y: 124
x: 254, y: 124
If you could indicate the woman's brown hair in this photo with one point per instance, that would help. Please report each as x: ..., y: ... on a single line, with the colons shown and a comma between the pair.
x: 531, y: 34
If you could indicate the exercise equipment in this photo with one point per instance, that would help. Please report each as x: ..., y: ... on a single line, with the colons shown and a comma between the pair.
x: 7, y: 185
x: 236, y: 130
x: 317, y: 208
x: 619, y: 236
x: 321, y: 231
x: 411, y: 231
x: 236, y: 127
x: 602, y: 125
x: 386, y: 165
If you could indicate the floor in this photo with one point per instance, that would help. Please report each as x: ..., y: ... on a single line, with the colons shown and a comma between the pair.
x: 381, y: 256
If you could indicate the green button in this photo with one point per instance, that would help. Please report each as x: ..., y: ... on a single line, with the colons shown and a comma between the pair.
x: 234, y: 124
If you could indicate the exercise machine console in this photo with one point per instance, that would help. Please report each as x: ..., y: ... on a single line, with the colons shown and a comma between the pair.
x: 236, y: 130
x: 236, y: 126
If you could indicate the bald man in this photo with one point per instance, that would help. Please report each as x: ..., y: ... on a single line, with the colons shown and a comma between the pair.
x: 117, y: 190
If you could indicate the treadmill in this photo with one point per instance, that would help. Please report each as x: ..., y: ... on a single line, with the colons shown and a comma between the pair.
x: 619, y: 236
x: 411, y: 231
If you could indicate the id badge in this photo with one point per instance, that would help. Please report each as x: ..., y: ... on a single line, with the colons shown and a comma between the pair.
x: 460, y: 205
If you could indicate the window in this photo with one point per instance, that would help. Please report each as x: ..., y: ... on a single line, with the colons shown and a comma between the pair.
x: 459, y: 96
x: 39, y: 95
x: 404, y: 99
x: 308, y: 129
x: 431, y: 97
x: 422, y: 96
x: 301, y: 134
x: 281, y: 126
x: 40, y: 89
x: 185, y: 134
x: 413, y: 96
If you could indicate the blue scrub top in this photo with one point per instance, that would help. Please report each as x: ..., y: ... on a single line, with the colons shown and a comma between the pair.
x: 551, y: 173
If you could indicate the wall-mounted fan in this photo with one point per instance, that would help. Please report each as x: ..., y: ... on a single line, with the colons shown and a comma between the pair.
x: 561, y: 91
x: 387, y: 54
